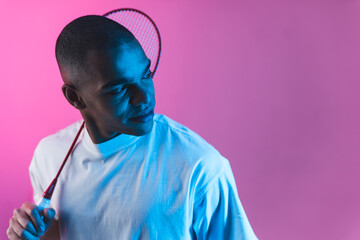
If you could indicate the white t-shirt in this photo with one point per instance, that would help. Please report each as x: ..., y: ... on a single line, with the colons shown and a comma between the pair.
x: 168, y: 184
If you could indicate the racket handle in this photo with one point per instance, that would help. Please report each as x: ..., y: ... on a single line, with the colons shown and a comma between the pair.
x: 44, y: 203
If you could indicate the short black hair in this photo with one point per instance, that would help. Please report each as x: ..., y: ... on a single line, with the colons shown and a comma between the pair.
x: 88, y: 33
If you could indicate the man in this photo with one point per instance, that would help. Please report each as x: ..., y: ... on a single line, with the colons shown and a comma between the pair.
x: 133, y: 174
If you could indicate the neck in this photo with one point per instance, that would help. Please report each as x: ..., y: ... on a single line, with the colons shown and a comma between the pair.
x: 96, y: 134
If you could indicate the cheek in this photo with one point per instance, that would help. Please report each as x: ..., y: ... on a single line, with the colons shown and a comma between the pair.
x: 104, y: 107
x: 151, y: 90
x: 116, y: 107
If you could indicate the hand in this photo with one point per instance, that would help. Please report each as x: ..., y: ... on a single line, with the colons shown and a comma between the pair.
x: 26, y: 223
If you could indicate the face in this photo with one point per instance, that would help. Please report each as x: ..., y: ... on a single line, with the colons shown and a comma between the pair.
x: 118, y: 92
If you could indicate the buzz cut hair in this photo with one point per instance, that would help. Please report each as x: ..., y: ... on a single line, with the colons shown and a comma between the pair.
x: 91, y: 32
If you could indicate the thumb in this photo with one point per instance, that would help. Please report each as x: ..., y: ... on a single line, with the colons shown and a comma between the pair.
x: 49, y: 214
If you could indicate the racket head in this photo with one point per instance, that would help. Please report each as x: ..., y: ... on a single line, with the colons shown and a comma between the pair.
x: 143, y: 28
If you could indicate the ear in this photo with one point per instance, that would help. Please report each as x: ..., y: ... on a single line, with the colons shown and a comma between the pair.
x: 73, y: 96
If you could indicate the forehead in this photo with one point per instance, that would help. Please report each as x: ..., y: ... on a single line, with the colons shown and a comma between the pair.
x: 126, y: 61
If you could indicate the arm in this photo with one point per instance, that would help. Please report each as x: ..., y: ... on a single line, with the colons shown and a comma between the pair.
x: 218, y: 212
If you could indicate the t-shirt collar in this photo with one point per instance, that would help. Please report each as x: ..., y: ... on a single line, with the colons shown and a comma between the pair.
x: 111, y: 146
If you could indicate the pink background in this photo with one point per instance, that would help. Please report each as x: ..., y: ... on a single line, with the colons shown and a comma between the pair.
x: 274, y: 85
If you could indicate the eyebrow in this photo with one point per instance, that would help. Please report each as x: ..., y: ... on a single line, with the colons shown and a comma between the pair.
x: 124, y: 80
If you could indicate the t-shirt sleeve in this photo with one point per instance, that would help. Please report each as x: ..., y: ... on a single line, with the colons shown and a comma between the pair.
x: 39, y: 177
x: 35, y: 180
x: 218, y: 212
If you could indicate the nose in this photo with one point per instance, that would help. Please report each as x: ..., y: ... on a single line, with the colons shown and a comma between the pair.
x: 141, y: 97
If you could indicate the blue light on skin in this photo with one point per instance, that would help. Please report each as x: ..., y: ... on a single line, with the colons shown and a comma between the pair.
x: 115, y: 94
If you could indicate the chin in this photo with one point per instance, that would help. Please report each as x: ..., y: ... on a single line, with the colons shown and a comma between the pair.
x: 142, y: 130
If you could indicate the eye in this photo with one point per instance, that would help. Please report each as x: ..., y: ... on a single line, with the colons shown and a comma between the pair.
x: 118, y: 91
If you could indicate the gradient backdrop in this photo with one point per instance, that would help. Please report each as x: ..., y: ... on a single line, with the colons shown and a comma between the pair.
x: 274, y: 85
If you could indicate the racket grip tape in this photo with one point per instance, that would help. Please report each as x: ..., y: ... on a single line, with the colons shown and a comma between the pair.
x: 44, y: 203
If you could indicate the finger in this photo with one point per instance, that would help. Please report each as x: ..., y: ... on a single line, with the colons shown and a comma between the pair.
x: 25, y: 221
x: 20, y: 232
x: 29, y: 236
x: 12, y: 235
x: 16, y: 227
x: 28, y: 226
x: 49, y: 214
x: 31, y: 210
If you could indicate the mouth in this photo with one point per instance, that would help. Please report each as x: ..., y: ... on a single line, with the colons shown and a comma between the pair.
x: 143, y: 118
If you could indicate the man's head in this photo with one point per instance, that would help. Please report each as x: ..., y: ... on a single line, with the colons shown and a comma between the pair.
x: 107, y: 77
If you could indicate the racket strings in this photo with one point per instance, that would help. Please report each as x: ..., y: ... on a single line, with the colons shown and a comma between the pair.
x: 144, y: 31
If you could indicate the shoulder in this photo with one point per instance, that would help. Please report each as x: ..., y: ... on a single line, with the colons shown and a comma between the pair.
x: 205, y: 161
x: 180, y: 134
x: 49, y: 152
x: 59, y: 139
x: 162, y: 121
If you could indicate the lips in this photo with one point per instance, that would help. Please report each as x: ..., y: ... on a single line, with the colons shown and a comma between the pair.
x: 144, y: 117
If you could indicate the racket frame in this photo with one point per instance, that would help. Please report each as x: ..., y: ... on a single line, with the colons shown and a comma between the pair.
x: 152, y: 22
